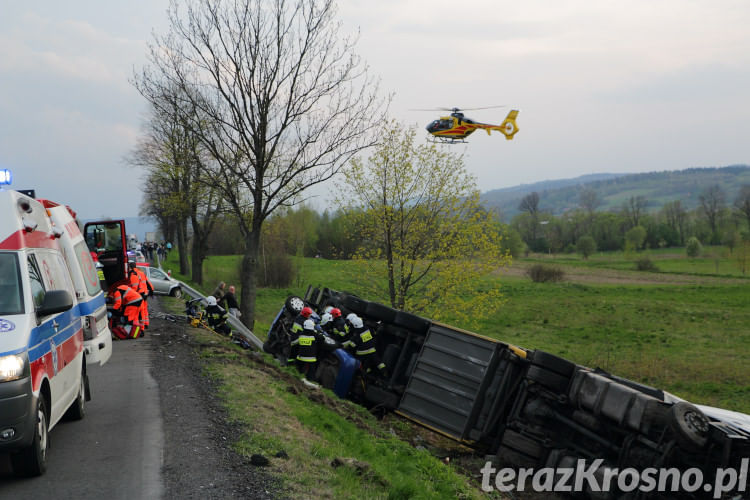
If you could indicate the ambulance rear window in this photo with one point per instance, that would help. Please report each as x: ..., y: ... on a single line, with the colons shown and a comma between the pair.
x: 11, y: 298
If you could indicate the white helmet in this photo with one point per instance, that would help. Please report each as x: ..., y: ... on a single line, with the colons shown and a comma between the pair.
x: 350, y: 317
x: 356, y: 322
x: 211, y: 300
x: 325, y: 318
x: 328, y: 309
x: 309, y: 324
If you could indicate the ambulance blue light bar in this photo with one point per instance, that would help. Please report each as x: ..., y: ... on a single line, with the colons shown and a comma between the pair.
x: 6, y: 177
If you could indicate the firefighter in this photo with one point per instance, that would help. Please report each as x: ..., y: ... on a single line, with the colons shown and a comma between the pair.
x: 216, y: 316
x: 307, y: 349
x: 127, y: 304
x: 326, y: 324
x: 362, y: 342
x: 141, y: 284
x: 338, y: 325
x: 297, y: 327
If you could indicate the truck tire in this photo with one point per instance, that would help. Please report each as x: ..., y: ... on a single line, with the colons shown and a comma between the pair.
x: 411, y: 322
x: 294, y: 304
x: 551, y: 380
x: 553, y: 363
x: 355, y: 305
x: 689, y: 425
x: 380, y: 312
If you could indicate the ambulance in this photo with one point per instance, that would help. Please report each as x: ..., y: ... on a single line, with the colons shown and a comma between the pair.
x: 53, y: 322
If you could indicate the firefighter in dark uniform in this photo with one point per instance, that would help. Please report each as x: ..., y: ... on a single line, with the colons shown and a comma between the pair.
x: 297, y: 327
x: 338, y: 325
x: 307, y: 349
x: 362, y: 342
x: 326, y: 324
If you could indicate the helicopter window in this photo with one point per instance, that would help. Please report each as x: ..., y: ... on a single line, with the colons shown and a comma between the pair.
x: 446, y: 123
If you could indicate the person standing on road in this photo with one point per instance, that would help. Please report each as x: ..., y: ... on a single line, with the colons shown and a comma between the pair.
x: 141, y: 284
x: 231, y: 302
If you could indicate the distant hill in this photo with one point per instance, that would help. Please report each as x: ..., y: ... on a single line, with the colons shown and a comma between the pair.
x: 658, y: 188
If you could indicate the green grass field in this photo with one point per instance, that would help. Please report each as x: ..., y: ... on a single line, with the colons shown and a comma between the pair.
x: 691, y: 339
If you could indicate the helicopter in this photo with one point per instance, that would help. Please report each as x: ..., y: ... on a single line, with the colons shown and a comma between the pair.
x: 457, y: 127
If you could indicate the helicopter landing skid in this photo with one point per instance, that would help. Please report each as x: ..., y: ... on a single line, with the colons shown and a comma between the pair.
x: 440, y: 140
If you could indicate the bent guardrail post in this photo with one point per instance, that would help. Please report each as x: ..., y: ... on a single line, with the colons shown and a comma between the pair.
x: 235, y: 323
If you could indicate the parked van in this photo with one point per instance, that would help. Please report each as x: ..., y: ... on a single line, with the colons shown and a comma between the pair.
x: 52, y: 323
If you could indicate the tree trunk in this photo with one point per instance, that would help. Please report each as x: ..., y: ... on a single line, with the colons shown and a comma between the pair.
x: 182, y: 246
x: 198, y: 255
x: 247, y: 277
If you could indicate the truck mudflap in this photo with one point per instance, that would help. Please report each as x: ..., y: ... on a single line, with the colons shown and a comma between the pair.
x: 447, y: 386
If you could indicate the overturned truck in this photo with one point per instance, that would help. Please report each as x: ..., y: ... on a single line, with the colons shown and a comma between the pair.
x: 528, y: 408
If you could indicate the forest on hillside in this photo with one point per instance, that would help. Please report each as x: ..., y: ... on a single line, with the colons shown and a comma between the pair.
x: 656, y: 188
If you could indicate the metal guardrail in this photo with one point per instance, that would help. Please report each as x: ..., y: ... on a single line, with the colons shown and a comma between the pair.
x: 235, y: 323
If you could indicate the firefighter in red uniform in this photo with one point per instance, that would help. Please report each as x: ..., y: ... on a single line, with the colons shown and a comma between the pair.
x: 141, y: 284
x: 127, y: 304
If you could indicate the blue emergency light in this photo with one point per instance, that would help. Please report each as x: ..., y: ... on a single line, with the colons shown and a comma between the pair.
x: 6, y: 176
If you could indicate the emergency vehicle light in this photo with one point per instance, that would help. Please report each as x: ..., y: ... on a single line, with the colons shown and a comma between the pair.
x: 6, y: 176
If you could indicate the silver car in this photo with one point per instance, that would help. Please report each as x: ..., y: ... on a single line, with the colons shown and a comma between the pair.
x: 163, y: 283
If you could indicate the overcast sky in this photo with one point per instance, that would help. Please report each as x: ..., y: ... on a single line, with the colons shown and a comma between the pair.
x: 602, y: 86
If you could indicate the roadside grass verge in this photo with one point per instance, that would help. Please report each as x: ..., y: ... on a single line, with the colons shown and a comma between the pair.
x: 313, y: 428
x: 692, y: 340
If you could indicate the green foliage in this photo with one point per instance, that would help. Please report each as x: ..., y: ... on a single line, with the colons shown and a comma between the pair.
x: 635, y: 237
x: 540, y: 273
x: 423, y: 229
x: 586, y: 246
x: 646, y: 264
x: 693, y: 247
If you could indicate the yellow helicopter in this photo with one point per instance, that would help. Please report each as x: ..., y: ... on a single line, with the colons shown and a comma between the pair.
x: 456, y: 127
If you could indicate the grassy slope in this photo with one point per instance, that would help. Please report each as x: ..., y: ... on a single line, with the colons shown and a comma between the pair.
x: 693, y: 340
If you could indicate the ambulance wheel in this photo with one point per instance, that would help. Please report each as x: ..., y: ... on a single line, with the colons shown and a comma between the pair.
x: 32, y: 461
x: 78, y: 409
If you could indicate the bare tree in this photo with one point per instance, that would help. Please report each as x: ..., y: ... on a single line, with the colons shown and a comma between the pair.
x: 530, y: 204
x: 676, y: 217
x: 589, y: 200
x: 712, y: 201
x: 633, y: 209
x: 282, y: 102
x: 742, y: 202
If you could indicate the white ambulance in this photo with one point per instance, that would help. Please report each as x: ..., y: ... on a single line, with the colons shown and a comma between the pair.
x: 52, y: 323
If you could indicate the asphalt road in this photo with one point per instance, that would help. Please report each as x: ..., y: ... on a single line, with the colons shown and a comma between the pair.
x: 117, y: 450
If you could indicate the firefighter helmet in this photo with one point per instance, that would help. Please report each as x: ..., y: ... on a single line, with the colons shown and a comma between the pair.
x: 306, y: 312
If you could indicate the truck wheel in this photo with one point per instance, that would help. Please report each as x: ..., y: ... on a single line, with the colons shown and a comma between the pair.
x: 294, y: 304
x: 411, y: 322
x: 77, y: 410
x: 553, y: 363
x: 32, y: 460
x: 176, y: 293
x: 380, y: 312
x: 551, y: 380
x: 690, y: 426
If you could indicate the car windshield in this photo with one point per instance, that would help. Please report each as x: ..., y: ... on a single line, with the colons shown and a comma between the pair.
x: 11, y: 298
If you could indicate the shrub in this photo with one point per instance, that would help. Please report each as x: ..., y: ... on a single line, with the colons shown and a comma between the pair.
x: 646, y: 264
x: 275, y: 268
x: 693, y: 247
x: 586, y: 246
x: 539, y: 273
